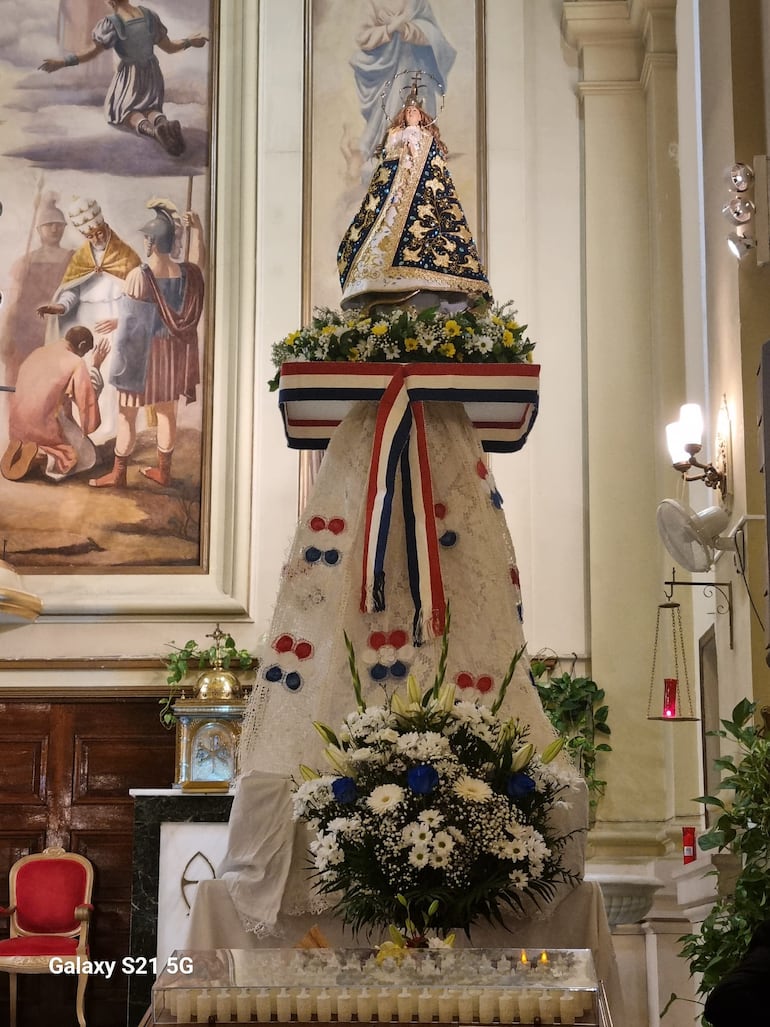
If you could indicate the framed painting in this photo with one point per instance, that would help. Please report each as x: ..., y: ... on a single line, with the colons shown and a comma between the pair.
x: 106, y: 340
x: 362, y: 59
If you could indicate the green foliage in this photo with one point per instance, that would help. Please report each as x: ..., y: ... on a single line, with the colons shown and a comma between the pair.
x: 476, y: 335
x: 743, y: 828
x: 576, y: 708
x: 192, y: 656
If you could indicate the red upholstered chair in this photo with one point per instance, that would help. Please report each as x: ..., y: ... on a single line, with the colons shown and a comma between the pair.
x: 50, y: 908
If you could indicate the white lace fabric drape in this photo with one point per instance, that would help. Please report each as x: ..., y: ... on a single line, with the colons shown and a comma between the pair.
x: 319, y: 601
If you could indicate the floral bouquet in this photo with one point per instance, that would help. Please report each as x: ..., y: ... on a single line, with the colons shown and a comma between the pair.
x: 437, y: 812
x: 478, y: 335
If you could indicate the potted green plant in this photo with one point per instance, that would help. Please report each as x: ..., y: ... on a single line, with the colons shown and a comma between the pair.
x: 222, y: 653
x: 742, y: 828
x: 576, y: 708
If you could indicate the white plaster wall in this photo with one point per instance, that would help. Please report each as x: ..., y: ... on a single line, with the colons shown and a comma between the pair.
x: 535, y: 257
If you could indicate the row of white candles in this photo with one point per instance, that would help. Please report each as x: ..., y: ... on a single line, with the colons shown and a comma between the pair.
x: 485, y: 1006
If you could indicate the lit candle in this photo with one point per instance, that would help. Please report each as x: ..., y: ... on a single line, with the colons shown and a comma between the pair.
x: 425, y: 1007
x: 543, y: 961
x: 264, y: 1012
x: 405, y: 1006
x: 364, y: 1006
x: 223, y: 1005
x: 203, y: 1007
x: 323, y: 1006
x: 384, y: 1006
x: 567, y: 1007
x: 670, y: 686
x: 547, y: 1004
x: 447, y: 1006
x: 243, y: 1005
x: 304, y: 1006
x: 183, y: 1007
x: 524, y: 963
x: 528, y: 1008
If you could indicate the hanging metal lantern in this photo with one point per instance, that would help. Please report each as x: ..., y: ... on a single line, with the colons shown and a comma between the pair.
x: 675, y: 700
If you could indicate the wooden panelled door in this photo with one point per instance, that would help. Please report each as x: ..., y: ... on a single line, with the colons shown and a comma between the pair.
x: 65, y: 772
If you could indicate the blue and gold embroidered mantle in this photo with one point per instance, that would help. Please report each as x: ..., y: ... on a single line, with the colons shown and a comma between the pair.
x: 410, y: 232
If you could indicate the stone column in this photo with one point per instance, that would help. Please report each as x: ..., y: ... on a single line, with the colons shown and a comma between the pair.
x: 634, y: 382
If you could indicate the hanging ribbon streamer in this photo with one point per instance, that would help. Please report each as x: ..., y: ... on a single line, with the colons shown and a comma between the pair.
x: 399, y: 440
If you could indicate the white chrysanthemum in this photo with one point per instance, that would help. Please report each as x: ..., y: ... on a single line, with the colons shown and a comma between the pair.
x: 428, y: 745
x: 326, y: 851
x: 518, y: 879
x: 387, y: 735
x: 438, y: 859
x: 384, y: 798
x: 431, y: 817
x: 472, y: 788
x: 311, y: 794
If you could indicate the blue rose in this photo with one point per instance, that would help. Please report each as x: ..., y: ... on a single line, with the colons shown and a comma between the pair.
x: 344, y: 789
x: 519, y: 785
x: 422, y: 779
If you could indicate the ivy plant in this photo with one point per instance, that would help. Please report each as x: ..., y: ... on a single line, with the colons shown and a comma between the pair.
x: 743, y: 828
x: 576, y: 708
x: 192, y: 655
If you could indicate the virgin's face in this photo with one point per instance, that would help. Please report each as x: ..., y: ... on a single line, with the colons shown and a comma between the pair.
x: 413, y: 116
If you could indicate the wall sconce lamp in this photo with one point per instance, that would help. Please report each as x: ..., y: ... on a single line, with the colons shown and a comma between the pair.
x: 685, y: 440
x: 741, y: 210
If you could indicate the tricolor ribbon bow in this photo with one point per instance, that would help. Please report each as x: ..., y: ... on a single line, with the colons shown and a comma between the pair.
x: 400, y: 440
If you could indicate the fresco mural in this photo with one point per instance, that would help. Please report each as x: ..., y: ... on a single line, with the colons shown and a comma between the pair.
x: 104, y: 357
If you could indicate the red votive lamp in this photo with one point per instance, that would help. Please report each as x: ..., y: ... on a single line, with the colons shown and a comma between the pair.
x: 669, y: 697
x: 688, y: 844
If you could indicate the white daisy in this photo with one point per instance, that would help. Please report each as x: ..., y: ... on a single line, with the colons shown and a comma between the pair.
x: 443, y: 842
x: 431, y: 817
x: 419, y: 855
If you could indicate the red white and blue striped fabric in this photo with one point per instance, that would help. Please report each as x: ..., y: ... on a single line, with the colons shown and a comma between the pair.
x: 500, y: 399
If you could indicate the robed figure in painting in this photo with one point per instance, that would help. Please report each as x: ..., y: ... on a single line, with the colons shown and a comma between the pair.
x: 156, y: 348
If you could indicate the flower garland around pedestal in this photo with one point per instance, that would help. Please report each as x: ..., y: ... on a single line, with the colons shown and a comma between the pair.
x: 479, y: 335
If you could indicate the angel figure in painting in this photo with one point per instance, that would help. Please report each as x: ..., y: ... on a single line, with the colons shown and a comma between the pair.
x: 410, y: 240
x: 136, y: 93
x: 156, y: 346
